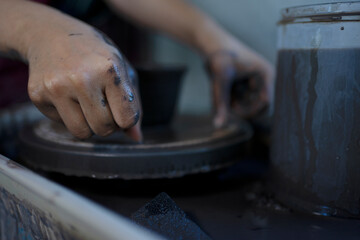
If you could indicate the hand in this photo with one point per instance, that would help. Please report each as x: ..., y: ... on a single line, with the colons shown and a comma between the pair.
x: 81, y: 79
x: 230, y: 67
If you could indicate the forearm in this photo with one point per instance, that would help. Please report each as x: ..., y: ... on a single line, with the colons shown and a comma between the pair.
x: 177, y: 19
x: 24, y: 25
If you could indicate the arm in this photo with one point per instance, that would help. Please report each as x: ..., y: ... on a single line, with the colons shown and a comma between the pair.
x: 224, y: 53
x: 76, y: 75
x: 177, y: 19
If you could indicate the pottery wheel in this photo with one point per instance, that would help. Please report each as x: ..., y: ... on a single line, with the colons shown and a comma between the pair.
x: 190, y: 145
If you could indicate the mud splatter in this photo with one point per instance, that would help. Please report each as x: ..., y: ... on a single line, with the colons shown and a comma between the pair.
x: 131, y: 97
x: 75, y: 34
x: 117, y: 80
x: 136, y: 117
x: 103, y: 102
x: 111, y: 70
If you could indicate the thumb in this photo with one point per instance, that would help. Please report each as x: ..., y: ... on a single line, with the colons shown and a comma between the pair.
x: 221, y: 95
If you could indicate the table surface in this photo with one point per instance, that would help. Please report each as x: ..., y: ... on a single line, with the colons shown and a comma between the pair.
x: 228, y: 204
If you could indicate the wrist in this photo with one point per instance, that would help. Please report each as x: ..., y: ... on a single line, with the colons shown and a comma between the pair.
x: 37, y: 26
x: 57, y: 35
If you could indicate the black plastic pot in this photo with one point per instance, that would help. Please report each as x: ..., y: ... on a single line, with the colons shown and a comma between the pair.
x: 159, y: 90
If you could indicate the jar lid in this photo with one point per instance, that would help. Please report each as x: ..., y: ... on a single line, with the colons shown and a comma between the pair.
x: 327, y: 11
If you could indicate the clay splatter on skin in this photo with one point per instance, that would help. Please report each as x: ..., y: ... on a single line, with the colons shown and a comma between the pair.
x: 103, y: 102
x: 75, y: 34
x: 117, y: 56
x: 124, y: 98
x: 118, y: 59
x: 117, y: 80
x: 136, y: 117
x: 111, y: 70
x: 131, y: 97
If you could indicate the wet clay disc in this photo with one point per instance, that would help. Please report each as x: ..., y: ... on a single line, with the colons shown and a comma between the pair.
x: 190, y: 145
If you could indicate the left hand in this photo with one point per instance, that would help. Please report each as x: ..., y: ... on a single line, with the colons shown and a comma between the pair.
x: 226, y: 67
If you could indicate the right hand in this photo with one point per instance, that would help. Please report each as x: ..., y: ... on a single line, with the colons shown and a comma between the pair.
x: 81, y: 79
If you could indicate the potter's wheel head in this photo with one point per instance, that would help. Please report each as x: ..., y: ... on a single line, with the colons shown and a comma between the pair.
x: 190, y: 145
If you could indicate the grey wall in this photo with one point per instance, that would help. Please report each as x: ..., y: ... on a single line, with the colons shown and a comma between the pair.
x: 251, y: 21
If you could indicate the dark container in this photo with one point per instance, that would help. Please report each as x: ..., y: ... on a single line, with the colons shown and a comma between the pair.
x: 316, y: 137
x: 159, y: 90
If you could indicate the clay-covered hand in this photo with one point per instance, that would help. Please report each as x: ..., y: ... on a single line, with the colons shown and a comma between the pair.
x: 241, y: 83
x: 81, y: 79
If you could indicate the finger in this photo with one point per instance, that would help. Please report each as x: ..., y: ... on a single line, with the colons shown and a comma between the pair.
x: 263, y: 80
x: 222, y: 69
x: 220, y: 104
x: 221, y: 93
x: 135, y: 133
x: 49, y: 110
x: 250, y: 112
x: 73, y: 118
x: 266, y: 92
x: 254, y: 99
x: 122, y: 98
x: 132, y: 74
x: 95, y: 107
x: 97, y: 112
x: 43, y: 103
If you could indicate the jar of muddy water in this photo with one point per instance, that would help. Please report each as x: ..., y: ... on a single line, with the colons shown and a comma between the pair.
x: 316, y: 136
